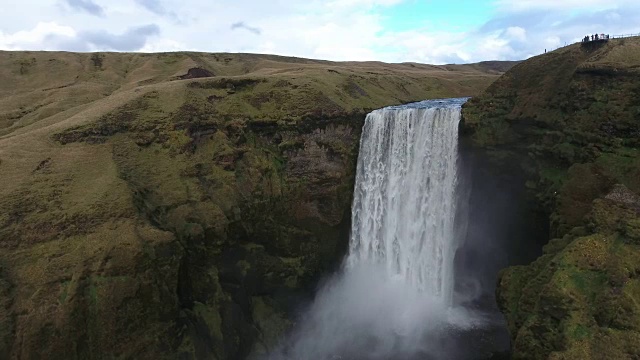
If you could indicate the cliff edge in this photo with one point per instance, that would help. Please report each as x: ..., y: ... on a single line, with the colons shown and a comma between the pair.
x: 569, y: 122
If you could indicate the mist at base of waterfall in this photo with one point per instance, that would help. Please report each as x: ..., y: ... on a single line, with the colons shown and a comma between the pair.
x: 364, y: 313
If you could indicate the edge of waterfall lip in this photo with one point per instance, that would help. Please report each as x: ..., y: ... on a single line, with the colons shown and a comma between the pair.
x: 431, y: 104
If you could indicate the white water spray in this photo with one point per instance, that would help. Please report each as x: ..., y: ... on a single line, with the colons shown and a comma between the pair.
x: 393, y: 298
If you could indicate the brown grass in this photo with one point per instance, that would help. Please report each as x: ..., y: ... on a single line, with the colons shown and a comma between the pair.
x: 76, y: 232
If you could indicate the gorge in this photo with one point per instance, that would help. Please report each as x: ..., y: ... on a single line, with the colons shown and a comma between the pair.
x: 393, y: 297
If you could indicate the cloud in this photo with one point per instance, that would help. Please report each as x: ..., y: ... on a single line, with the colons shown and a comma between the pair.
x: 52, y: 36
x: 556, y: 5
x: 158, y: 8
x: 131, y: 40
x: 242, y: 25
x: 86, y: 5
x: 323, y: 29
x: 157, y: 44
x: 546, y: 29
x: 155, y: 6
x: 361, y: 3
x: 35, y: 38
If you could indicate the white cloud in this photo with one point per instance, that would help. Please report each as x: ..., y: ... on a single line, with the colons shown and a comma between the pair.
x: 361, y: 3
x: 36, y: 38
x: 331, y: 29
x: 516, y: 33
x: 556, y: 5
x: 86, y: 5
x: 163, y: 45
x: 52, y: 36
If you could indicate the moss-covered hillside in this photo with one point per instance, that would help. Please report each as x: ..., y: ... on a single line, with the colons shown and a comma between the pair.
x: 179, y: 205
x: 569, y: 120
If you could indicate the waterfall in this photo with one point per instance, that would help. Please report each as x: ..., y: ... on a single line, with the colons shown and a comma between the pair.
x: 393, y: 296
x: 404, y: 199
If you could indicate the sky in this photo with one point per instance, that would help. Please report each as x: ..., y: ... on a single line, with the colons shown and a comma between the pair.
x: 425, y: 31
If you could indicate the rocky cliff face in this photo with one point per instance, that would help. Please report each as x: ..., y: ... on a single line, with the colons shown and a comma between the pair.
x: 566, y: 123
x: 179, y: 205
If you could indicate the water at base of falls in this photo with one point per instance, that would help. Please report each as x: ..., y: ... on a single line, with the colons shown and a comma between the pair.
x: 393, y: 298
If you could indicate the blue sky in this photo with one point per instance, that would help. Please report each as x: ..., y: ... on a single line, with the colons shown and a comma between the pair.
x: 453, y: 16
x: 427, y: 31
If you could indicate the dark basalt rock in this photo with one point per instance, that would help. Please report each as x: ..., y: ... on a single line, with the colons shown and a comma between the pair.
x: 195, y: 73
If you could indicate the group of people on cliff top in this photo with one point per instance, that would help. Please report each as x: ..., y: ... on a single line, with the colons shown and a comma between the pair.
x: 595, y: 37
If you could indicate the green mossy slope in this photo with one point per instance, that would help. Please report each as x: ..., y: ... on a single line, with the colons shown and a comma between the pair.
x: 570, y: 121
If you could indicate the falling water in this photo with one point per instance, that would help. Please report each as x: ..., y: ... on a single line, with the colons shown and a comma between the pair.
x: 393, y: 297
x: 404, y: 200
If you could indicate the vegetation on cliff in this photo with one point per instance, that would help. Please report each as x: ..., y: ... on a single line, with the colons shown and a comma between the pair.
x: 155, y: 205
x: 569, y: 121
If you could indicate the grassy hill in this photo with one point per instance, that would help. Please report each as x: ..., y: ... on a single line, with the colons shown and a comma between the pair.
x: 156, y: 205
x: 570, y: 121
x: 40, y: 85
